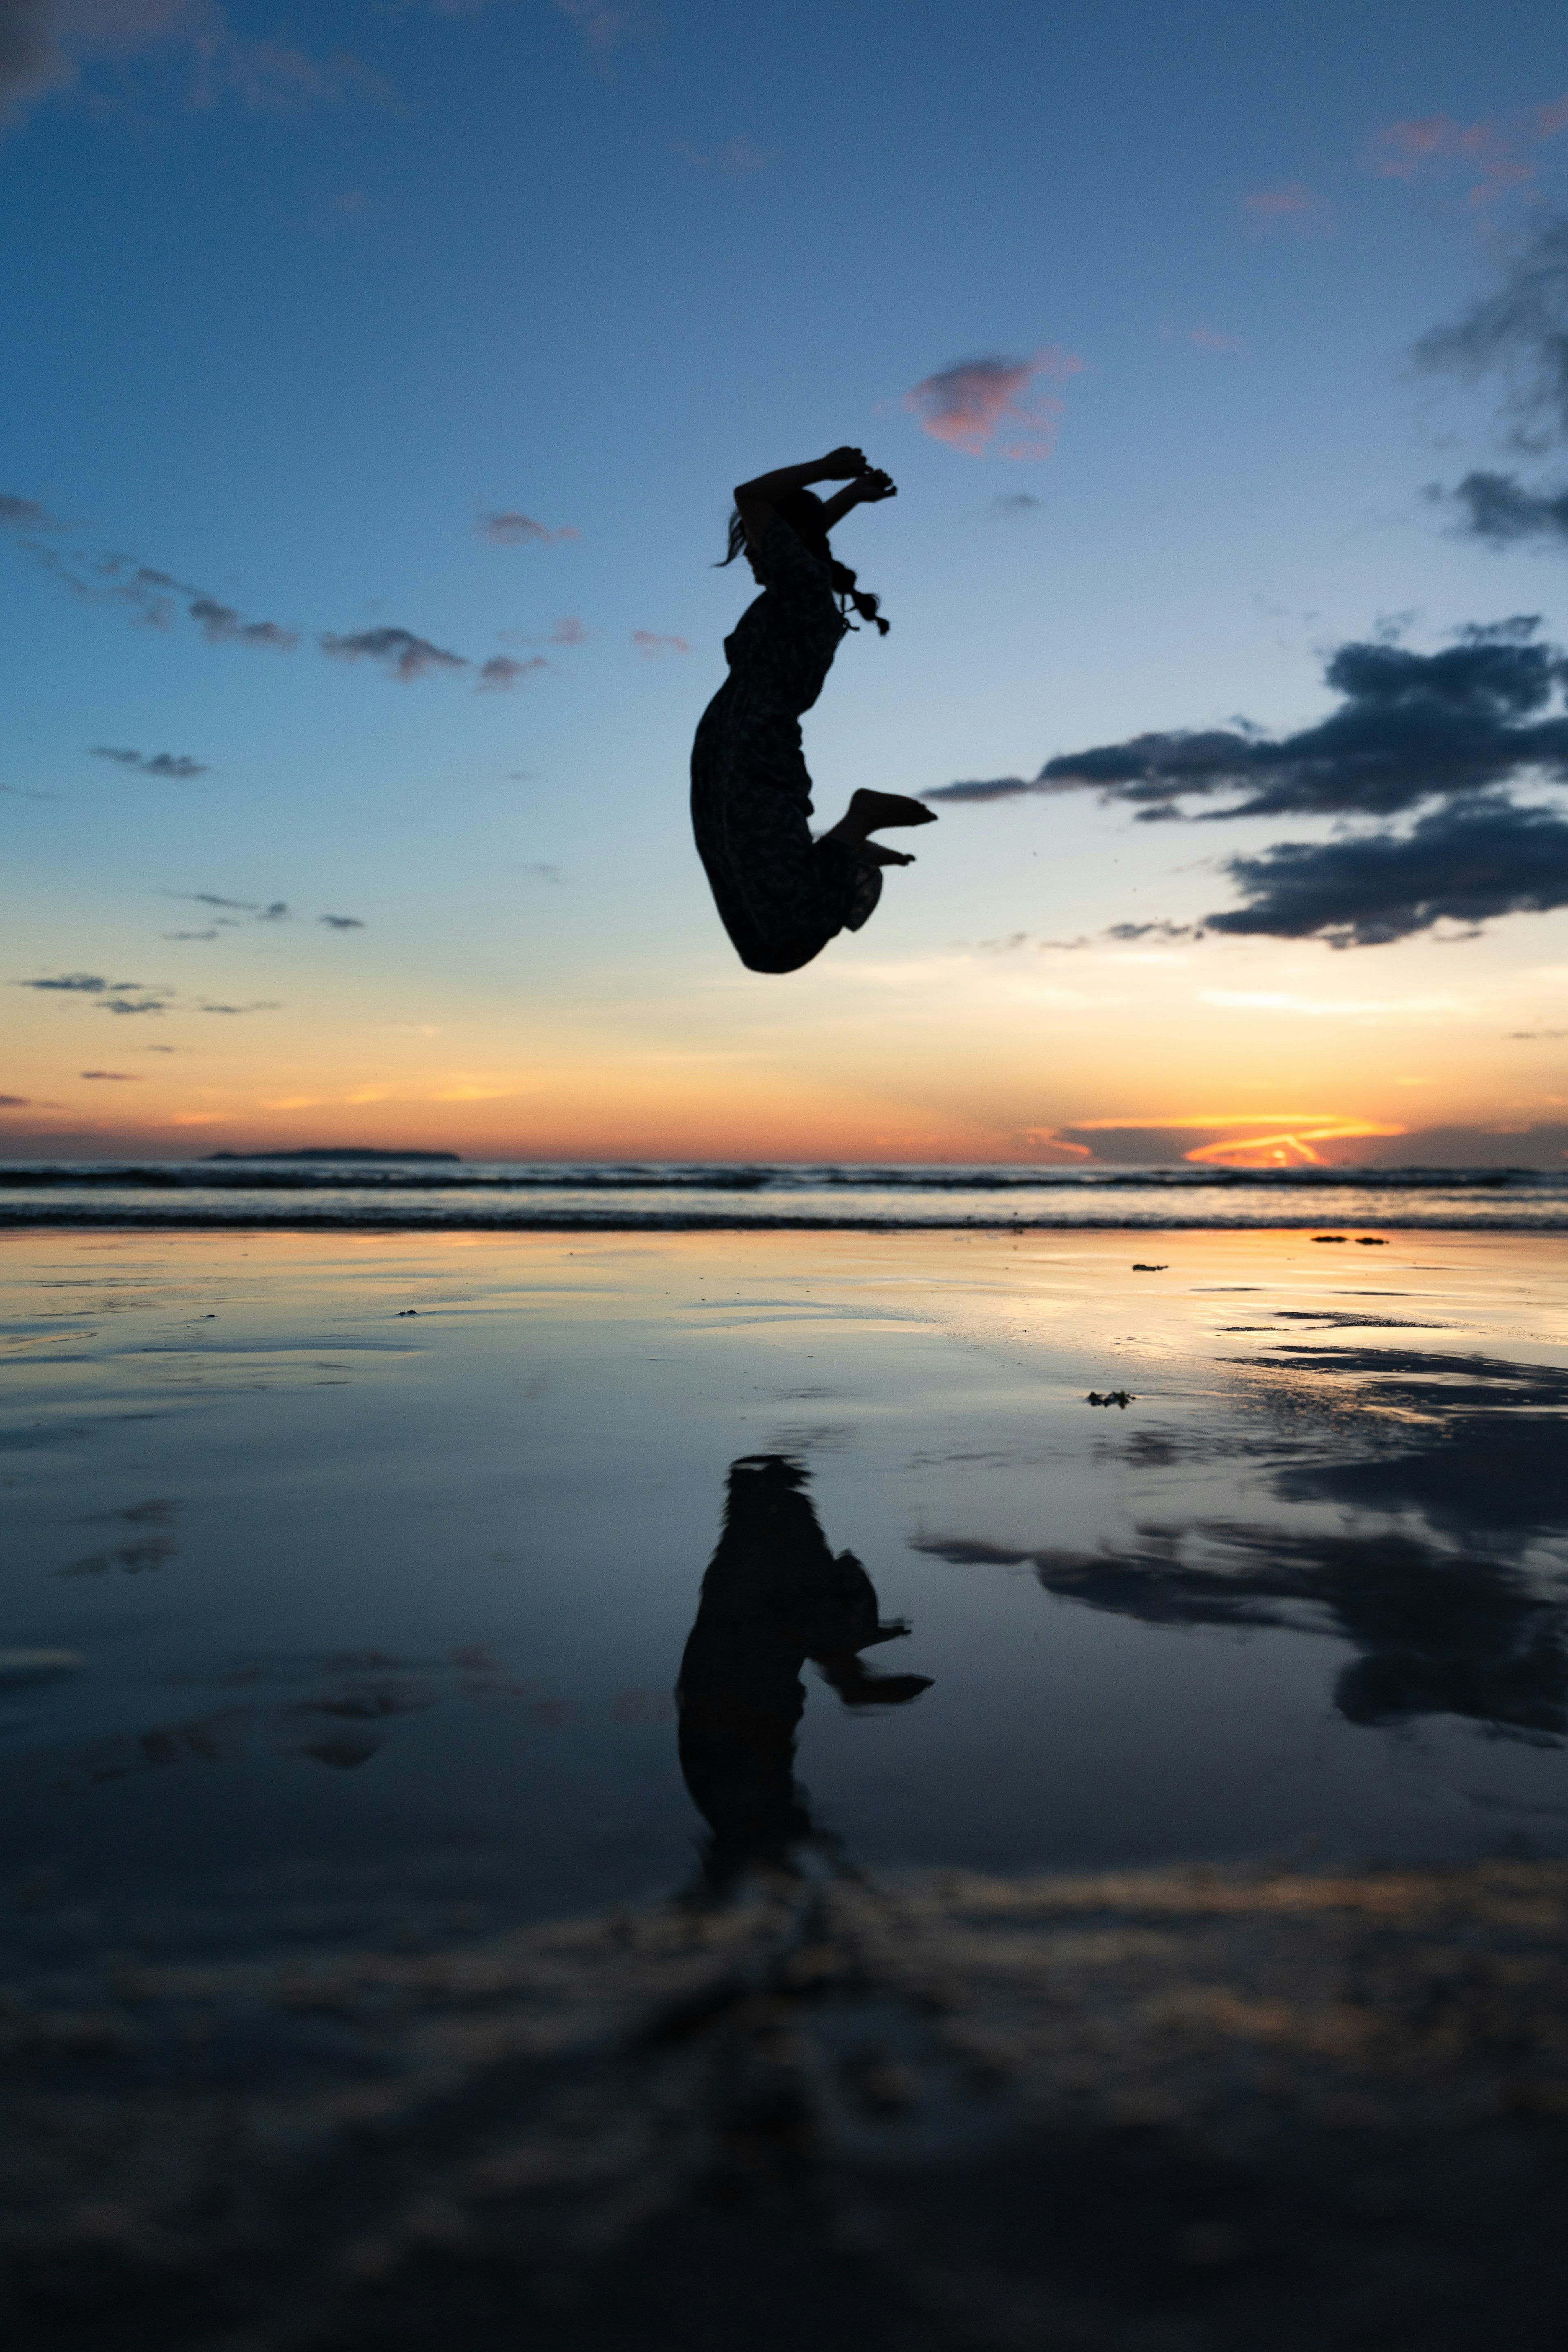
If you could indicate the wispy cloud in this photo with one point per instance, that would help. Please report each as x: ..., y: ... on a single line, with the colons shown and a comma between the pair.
x: 18, y: 513
x: 399, y: 651
x: 120, y: 1078
x: 44, y: 44
x: 513, y: 529
x: 222, y: 625
x: 501, y: 673
x: 1517, y: 335
x: 1294, y: 207
x: 970, y: 403
x: 342, y: 922
x: 1493, y: 153
x: 153, y: 596
x: 1013, y: 505
x: 210, y: 898
x: 651, y: 647
x: 601, y: 26
x: 1208, y: 339
x: 176, y: 765
x: 123, y: 996
x: 737, y: 158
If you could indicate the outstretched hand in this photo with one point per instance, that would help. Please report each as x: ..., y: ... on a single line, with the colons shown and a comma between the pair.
x: 874, y: 485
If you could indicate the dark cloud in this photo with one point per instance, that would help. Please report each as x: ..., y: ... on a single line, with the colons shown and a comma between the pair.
x: 1015, y: 503
x: 82, y: 983
x: 260, y: 1005
x: 120, y: 1078
x: 1410, y: 726
x: 125, y: 996
x: 222, y: 625
x: 1519, y: 333
x: 278, y: 912
x: 501, y: 672
x: 342, y: 922
x: 404, y: 655
x: 1501, y: 511
x: 188, y: 935
x: 998, y: 788
x: 1160, y: 931
x: 1464, y: 864
x: 1451, y: 728
x: 13, y: 1102
x: 19, y: 514
x: 31, y: 59
x: 176, y: 765
x: 210, y: 898
x: 44, y: 43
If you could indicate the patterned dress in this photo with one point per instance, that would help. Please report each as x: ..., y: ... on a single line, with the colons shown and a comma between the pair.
x: 780, y: 894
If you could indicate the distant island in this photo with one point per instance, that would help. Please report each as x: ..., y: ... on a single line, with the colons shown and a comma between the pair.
x: 335, y: 1151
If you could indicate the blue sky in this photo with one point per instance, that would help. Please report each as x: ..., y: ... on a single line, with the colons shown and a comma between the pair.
x: 298, y: 301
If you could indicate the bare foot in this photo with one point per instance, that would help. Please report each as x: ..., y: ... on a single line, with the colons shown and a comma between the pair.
x: 871, y: 812
x: 880, y: 854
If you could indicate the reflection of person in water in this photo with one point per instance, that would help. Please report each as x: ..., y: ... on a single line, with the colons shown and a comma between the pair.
x: 774, y: 1596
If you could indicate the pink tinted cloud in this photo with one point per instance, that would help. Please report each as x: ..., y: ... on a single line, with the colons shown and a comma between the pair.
x: 501, y: 673
x: 1294, y: 207
x: 1208, y: 339
x: 651, y: 647
x: 511, y: 529
x: 1493, y: 153
x: 967, y: 405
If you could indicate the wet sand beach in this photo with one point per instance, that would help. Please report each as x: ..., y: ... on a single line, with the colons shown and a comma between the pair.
x: 1066, y: 1806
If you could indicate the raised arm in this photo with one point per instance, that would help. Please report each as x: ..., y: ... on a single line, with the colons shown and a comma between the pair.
x: 865, y: 491
x: 754, y: 500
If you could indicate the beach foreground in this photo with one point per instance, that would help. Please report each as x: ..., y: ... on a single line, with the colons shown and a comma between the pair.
x: 1100, y: 1883
x: 1182, y: 2109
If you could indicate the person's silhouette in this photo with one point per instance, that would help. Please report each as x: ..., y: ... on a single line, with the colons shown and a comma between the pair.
x: 781, y: 895
x: 773, y: 1597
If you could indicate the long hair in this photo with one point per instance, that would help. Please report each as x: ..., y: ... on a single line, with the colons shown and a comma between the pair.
x: 802, y: 509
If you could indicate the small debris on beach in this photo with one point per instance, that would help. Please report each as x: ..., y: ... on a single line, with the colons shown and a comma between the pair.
x: 1112, y: 1396
x: 1328, y: 1237
x: 406, y: 1310
x: 1151, y: 1269
x: 1370, y: 1241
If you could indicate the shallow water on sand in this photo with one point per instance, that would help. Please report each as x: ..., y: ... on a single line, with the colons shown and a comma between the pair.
x: 351, y: 1576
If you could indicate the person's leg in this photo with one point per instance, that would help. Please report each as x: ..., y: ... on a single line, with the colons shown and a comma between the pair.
x: 870, y: 813
x: 781, y: 895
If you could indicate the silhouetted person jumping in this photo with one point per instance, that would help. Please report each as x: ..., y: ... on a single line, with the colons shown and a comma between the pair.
x: 774, y: 1596
x: 781, y: 895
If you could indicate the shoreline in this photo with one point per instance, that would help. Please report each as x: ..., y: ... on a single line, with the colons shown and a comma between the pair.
x: 698, y: 1221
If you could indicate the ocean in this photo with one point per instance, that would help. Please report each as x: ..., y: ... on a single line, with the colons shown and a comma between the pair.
x: 520, y: 1196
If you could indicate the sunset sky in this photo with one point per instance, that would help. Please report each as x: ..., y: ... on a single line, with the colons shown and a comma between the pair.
x: 375, y: 380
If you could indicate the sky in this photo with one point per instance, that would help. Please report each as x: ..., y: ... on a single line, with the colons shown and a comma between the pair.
x: 374, y: 381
